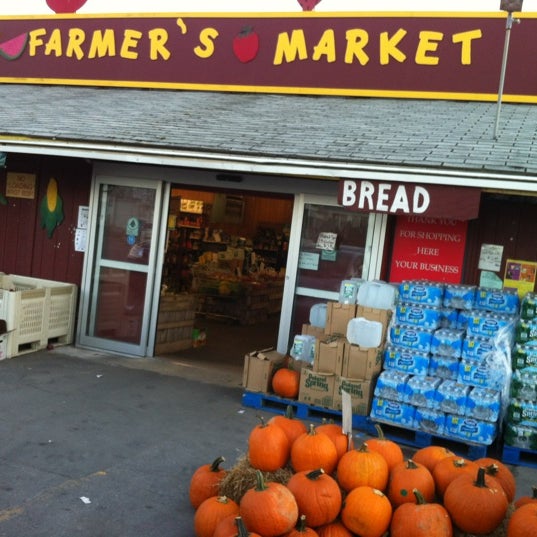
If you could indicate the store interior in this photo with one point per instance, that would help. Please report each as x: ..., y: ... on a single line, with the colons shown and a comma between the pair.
x: 225, y: 264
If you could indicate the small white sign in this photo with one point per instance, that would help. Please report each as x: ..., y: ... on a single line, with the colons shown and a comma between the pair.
x: 490, y: 257
x: 81, y: 236
x: 83, y: 217
x: 326, y: 241
x: 308, y: 261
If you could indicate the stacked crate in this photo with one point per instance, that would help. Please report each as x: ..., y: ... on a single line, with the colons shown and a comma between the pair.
x: 446, y: 365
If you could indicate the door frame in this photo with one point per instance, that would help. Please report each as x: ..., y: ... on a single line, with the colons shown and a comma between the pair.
x: 373, y: 256
x: 154, y: 275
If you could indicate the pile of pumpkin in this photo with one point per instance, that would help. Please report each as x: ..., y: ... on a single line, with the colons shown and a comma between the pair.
x: 298, y: 481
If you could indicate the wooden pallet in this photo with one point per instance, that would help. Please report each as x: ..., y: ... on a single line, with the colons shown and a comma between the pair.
x: 519, y: 456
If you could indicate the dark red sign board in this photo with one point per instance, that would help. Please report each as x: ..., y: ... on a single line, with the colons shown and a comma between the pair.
x: 407, y: 198
x: 417, y: 55
x: 427, y: 248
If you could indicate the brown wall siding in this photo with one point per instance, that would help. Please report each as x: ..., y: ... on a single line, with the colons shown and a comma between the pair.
x: 25, y: 248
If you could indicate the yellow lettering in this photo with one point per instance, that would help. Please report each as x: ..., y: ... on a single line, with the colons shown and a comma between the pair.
x: 77, y: 36
x: 158, y: 39
x: 102, y: 44
x: 326, y: 47
x: 36, y: 40
x: 428, y: 43
x: 465, y: 38
x: 388, y: 47
x: 206, y: 47
x: 357, y: 40
x: 130, y: 42
x: 289, y: 47
x: 54, y: 44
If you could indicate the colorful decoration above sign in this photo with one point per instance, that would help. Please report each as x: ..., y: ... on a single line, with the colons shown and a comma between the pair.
x: 442, y: 55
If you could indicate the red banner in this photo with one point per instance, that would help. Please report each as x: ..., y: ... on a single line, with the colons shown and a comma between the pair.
x: 429, y: 249
x: 418, y: 55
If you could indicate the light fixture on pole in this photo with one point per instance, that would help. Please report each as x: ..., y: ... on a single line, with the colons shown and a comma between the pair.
x: 510, y: 6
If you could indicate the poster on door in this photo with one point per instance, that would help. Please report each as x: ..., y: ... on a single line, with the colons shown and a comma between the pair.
x: 428, y: 249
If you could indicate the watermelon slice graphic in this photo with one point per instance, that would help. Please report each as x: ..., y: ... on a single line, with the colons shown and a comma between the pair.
x: 13, y: 49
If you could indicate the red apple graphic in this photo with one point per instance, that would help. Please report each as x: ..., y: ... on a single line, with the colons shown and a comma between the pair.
x: 65, y: 6
x: 246, y: 44
x: 308, y: 5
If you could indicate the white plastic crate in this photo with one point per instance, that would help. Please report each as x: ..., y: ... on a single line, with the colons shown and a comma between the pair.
x: 61, y: 314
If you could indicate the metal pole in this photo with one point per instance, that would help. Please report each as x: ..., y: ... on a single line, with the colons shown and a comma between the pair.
x: 508, y: 26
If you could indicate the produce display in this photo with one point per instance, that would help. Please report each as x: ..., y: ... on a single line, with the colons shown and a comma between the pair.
x: 302, y: 485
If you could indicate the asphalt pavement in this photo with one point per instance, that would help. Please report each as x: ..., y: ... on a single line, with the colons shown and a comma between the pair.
x: 101, y: 446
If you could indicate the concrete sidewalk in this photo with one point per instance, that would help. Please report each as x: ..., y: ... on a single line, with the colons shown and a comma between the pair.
x: 102, y: 446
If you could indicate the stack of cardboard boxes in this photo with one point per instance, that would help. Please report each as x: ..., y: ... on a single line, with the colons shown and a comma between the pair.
x: 340, y: 365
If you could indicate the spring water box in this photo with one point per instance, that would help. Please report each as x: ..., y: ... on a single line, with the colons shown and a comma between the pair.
x: 422, y: 292
x: 528, y: 307
x: 487, y: 324
x: 470, y: 429
x: 482, y: 374
x: 524, y: 355
x: 498, y: 300
x: 406, y: 360
x: 392, y: 385
x: 521, y: 412
x: 484, y: 404
x: 526, y: 331
x: 520, y: 436
x: 424, y: 316
x: 449, y: 318
x: 461, y: 297
x: 429, y: 420
x: 452, y: 397
x: 444, y: 367
x: 476, y: 347
x: 395, y: 412
x: 421, y: 391
x: 411, y: 337
x: 524, y: 384
x: 447, y: 342
x: 377, y: 294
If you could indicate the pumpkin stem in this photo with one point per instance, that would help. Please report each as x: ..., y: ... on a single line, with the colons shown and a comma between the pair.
x: 364, y: 448
x: 312, y: 430
x: 459, y: 463
x: 242, y: 531
x: 301, y: 526
x: 492, y: 469
x: 534, y: 492
x: 262, y: 420
x: 260, y: 481
x: 216, y: 463
x: 480, y: 481
x: 222, y: 499
x: 315, y: 474
x: 289, y: 413
x: 420, y: 500
x: 411, y: 465
x: 380, y: 432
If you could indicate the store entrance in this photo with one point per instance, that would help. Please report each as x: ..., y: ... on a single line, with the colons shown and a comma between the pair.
x: 223, y: 274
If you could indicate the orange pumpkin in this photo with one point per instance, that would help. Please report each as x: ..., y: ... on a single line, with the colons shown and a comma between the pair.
x: 302, y: 530
x: 269, y: 508
x: 501, y: 472
x: 268, y: 447
x: 389, y: 449
x: 449, y: 469
x: 406, y: 477
x: 286, y: 382
x: 523, y: 522
x: 476, y: 505
x: 313, y: 450
x: 211, y: 512
x: 420, y: 519
x: 429, y: 456
x: 334, y: 529
x: 291, y: 426
x: 523, y: 500
x: 366, y: 512
x: 362, y: 467
x: 205, y: 481
x: 318, y: 496
x: 335, y: 432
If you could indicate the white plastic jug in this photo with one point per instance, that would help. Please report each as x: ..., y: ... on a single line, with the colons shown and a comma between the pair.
x: 318, y: 315
x: 365, y: 333
x: 377, y: 294
x: 348, y: 291
x: 303, y: 348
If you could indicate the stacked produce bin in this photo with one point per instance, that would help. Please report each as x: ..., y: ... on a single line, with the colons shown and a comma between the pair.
x: 447, y: 361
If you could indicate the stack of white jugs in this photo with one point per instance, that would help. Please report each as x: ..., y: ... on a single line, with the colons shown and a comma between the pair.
x: 447, y: 360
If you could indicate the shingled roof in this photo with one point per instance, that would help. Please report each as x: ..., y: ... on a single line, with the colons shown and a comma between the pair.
x: 433, y: 135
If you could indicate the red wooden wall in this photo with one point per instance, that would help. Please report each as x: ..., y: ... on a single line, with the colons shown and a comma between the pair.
x: 25, y: 248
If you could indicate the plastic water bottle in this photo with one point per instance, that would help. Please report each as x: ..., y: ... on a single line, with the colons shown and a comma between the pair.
x: 318, y: 315
x: 377, y: 294
x: 365, y: 333
x: 348, y: 291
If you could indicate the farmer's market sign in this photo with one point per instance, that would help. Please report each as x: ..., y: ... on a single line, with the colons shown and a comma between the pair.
x: 442, y: 55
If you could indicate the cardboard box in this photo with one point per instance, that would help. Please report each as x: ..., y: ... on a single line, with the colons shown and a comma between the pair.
x: 310, y: 330
x: 361, y: 363
x: 338, y: 316
x: 375, y: 314
x: 316, y: 388
x: 258, y: 369
x: 329, y: 352
x: 361, y: 392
